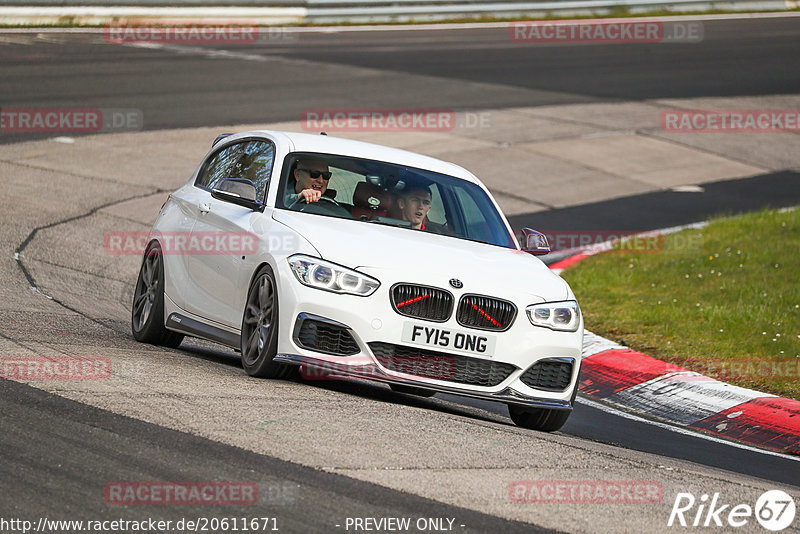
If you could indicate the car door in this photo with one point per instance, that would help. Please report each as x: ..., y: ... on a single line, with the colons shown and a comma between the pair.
x: 219, y: 274
x: 177, y: 220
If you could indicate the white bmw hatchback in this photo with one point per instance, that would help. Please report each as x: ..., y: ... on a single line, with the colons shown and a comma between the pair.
x: 348, y: 259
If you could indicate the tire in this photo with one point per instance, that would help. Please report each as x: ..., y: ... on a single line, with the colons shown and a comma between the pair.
x: 541, y: 419
x: 147, y: 309
x: 411, y: 390
x: 259, y: 340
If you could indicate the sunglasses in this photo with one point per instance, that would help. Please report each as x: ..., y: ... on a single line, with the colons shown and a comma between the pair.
x: 326, y: 175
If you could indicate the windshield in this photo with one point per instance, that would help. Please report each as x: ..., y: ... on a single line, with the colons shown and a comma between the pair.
x: 376, y: 192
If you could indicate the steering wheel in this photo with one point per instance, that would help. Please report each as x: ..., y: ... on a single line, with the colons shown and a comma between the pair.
x: 302, y: 199
x: 329, y: 207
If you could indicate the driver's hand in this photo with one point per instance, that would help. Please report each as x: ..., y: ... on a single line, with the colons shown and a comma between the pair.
x: 311, y: 195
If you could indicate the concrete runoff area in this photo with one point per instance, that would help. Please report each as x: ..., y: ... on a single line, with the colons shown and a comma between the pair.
x: 71, y: 298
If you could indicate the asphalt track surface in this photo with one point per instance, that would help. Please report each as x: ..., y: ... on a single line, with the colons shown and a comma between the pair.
x: 40, y: 431
x: 190, y: 88
x: 77, y: 444
x: 666, y: 209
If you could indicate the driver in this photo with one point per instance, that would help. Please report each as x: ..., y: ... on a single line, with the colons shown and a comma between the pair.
x: 414, y: 204
x: 311, y: 181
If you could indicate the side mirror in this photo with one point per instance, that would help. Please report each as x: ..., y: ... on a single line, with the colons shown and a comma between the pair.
x: 219, y: 138
x: 237, y: 191
x: 533, y: 242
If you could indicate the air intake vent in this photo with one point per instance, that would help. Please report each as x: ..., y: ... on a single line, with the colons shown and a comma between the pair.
x: 549, y: 375
x: 441, y: 366
x: 325, y: 337
x: 485, y: 313
x: 422, y: 302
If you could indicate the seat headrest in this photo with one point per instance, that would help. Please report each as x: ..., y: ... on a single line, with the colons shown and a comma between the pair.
x: 368, y: 196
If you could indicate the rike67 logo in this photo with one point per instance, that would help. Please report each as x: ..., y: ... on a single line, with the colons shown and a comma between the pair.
x: 774, y: 510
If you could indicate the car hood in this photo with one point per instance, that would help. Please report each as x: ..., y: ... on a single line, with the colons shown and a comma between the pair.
x: 399, y: 254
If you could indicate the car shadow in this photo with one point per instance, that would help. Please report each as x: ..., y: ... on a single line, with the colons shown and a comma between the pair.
x: 375, y: 391
x: 382, y: 393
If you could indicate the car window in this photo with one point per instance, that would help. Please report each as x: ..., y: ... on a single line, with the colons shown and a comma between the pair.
x: 436, y: 215
x: 254, y: 162
x: 344, y: 183
x: 384, y: 193
x: 476, y: 226
x: 250, y: 160
x: 216, y: 168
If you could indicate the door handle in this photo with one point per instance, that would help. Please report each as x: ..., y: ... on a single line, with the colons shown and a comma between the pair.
x: 205, y: 207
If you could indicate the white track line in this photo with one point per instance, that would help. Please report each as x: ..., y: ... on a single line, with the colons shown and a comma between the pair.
x: 445, y: 26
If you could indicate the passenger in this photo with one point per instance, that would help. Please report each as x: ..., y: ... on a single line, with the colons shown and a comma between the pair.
x: 311, y: 181
x: 415, y: 204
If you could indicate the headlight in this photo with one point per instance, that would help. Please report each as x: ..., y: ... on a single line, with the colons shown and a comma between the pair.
x: 564, y: 315
x: 322, y: 274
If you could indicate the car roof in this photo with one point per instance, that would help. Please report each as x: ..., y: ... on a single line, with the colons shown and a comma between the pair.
x: 305, y: 142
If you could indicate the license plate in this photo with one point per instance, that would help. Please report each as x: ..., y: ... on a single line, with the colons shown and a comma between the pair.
x: 449, y: 339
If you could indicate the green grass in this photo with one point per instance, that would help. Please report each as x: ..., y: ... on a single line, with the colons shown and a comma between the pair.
x: 727, y: 294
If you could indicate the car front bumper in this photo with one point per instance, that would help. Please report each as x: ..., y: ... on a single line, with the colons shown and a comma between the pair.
x: 373, y: 371
x: 372, y: 320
